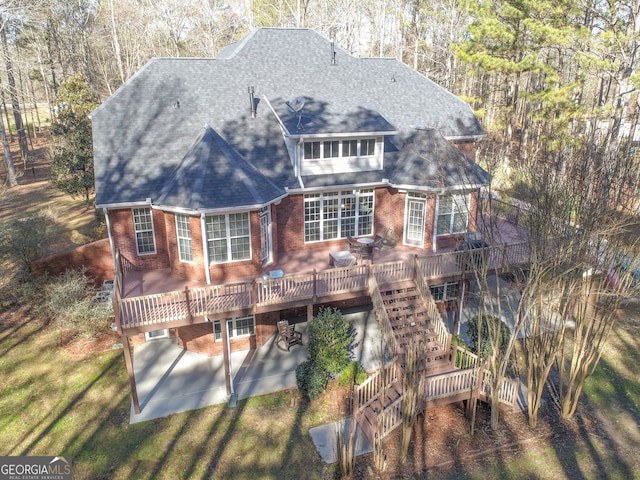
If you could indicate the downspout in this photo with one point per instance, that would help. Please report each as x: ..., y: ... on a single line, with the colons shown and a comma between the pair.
x: 113, y: 248
x: 298, y: 169
x: 205, y: 247
x: 226, y: 326
x: 435, y: 226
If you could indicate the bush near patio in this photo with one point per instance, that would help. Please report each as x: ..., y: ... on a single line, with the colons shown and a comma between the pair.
x: 482, y: 345
x: 331, y: 343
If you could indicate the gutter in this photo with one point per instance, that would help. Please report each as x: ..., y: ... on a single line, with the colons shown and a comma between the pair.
x: 113, y: 248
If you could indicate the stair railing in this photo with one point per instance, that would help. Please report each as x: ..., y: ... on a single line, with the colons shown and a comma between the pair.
x: 507, y: 391
x: 382, y: 316
x: 369, y: 390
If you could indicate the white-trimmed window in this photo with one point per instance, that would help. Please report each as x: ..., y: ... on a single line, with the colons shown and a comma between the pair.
x: 316, y: 149
x: 453, y: 214
x: 312, y: 149
x: 143, y: 227
x: 338, y: 214
x: 183, y: 231
x: 228, y: 237
x: 237, y: 327
x: 444, y: 292
x: 156, y: 334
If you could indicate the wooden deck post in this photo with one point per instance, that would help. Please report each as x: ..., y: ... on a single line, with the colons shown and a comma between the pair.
x: 186, y: 299
x: 315, y: 286
x: 225, y: 353
x: 254, y: 293
x: 132, y: 379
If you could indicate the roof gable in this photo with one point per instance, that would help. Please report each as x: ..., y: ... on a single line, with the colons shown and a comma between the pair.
x: 214, y: 176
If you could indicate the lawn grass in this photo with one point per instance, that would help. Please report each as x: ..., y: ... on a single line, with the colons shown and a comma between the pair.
x: 53, y: 403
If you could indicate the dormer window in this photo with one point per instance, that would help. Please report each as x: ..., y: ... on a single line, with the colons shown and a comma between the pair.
x: 341, y: 156
x: 331, y: 149
x: 314, y: 149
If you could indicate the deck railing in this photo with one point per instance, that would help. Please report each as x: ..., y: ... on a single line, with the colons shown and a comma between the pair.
x: 392, y: 272
x: 449, y: 384
x: 507, y: 391
x: 390, y: 417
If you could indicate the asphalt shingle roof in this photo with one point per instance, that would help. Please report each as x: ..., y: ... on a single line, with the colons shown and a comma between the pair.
x: 215, y: 176
x: 146, y: 129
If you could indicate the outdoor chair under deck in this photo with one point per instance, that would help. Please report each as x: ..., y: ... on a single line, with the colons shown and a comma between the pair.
x: 287, y: 335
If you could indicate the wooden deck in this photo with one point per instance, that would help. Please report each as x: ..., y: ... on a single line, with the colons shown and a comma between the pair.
x: 199, y: 303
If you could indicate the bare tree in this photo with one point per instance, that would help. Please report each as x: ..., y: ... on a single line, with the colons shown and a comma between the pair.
x: 411, y: 387
x: 11, y: 171
x: 13, y: 93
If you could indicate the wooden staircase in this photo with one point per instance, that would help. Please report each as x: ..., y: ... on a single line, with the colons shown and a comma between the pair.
x: 410, y: 322
x: 406, y: 312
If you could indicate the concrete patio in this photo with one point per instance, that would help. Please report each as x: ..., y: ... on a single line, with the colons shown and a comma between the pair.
x: 171, y: 380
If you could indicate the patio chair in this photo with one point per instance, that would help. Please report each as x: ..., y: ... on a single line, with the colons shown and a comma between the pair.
x: 366, y: 252
x: 377, y: 243
x: 354, y: 246
x: 287, y: 336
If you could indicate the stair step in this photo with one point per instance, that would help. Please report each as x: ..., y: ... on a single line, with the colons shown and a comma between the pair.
x: 410, y: 303
x: 396, y: 295
x: 408, y: 330
x: 390, y: 287
x: 408, y: 321
x: 367, y: 428
x: 406, y: 317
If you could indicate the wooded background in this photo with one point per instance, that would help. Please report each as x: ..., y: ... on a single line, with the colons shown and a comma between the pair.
x: 555, y: 83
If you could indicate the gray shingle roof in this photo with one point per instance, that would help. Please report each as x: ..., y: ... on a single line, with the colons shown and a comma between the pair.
x: 143, y: 131
x: 215, y: 176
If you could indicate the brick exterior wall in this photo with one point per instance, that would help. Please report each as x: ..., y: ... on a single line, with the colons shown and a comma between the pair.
x: 199, y: 338
x: 124, y: 239
x: 95, y: 257
x: 287, y: 234
x: 388, y: 204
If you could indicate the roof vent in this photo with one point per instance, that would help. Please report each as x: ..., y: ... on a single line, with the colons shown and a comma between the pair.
x: 252, y: 100
x: 177, y: 104
x: 333, y: 53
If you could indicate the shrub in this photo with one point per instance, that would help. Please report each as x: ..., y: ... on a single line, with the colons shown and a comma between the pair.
x: 354, y: 372
x: 486, y: 322
x: 311, y: 379
x: 25, y: 239
x: 331, y: 340
x: 69, y: 299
